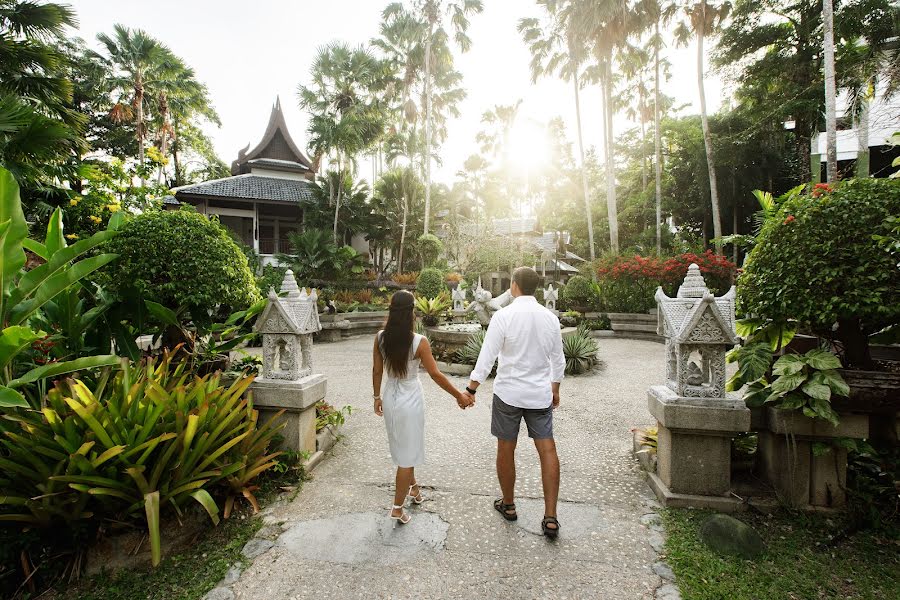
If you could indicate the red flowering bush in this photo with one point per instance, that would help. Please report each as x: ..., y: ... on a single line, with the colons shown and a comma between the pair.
x: 628, y: 283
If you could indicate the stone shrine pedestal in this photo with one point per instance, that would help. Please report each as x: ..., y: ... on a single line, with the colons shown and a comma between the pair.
x: 298, y: 399
x: 288, y: 384
x: 694, y: 447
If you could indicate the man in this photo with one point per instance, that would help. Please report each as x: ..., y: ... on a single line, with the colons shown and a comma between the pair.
x: 527, y: 339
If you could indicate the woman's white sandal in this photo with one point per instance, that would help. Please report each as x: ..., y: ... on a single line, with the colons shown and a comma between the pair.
x: 403, y: 518
x: 418, y: 498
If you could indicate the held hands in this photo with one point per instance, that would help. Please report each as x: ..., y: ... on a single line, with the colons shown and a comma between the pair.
x: 378, y: 408
x: 465, y: 400
x: 555, y: 399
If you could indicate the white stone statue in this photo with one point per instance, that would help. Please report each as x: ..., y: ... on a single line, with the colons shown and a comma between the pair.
x: 550, y: 297
x: 485, y: 305
x: 459, y: 298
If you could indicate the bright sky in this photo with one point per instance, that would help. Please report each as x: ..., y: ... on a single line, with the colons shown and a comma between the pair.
x: 248, y: 52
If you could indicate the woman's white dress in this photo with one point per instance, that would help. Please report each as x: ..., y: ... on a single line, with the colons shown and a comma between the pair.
x: 404, y: 412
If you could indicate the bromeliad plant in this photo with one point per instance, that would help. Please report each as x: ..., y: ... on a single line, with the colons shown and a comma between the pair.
x: 432, y: 308
x: 24, y: 293
x: 150, y: 438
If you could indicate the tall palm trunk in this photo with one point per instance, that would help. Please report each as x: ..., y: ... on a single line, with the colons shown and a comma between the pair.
x: 337, y: 204
x: 657, y: 142
x: 707, y: 143
x: 644, y: 176
x: 176, y: 165
x: 164, y: 134
x: 610, y: 164
x: 584, y: 178
x: 830, y: 92
x: 862, y: 128
x: 406, y: 203
x: 428, y: 125
x: 139, y: 99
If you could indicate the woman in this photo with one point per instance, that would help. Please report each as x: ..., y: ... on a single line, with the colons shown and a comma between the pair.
x: 397, y: 353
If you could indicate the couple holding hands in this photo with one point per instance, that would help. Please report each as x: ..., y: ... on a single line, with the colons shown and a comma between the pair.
x: 526, y: 339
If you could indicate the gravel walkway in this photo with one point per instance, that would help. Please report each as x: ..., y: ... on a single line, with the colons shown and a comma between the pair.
x: 336, y: 541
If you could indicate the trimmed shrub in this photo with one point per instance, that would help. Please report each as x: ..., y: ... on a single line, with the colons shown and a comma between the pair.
x: 579, y: 293
x: 430, y: 283
x: 181, y: 258
x: 819, y: 261
x: 430, y: 247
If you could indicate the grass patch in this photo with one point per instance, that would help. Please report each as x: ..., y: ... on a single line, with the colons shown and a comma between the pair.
x: 805, y: 558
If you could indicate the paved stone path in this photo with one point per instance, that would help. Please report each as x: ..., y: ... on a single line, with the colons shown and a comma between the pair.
x: 336, y: 541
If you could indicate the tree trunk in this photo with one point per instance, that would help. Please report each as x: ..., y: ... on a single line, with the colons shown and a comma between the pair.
x: 830, y: 93
x: 139, y: 98
x: 428, y: 127
x: 862, y: 128
x: 657, y: 142
x: 584, y: 177
x: 175, y: 164
x: 337, y: 204
x: 610, y: 168
x: 707, y: 143
x: 403, y: 233
x: 642, y: 103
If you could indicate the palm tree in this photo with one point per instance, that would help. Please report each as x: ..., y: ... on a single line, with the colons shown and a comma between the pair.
x: 394, y: 198
x: 346, y: 115
x: 31, y: 65
x: 138, y: 66
x: 553, y: 50
x: 830, y: 92
x: 702, y: 20
x: 433, y: 13
x: 657, y: 12
x: 39, y: 132
x: 603, y: 27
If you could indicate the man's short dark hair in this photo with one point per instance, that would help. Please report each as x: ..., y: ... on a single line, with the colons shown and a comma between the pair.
x: 527, y: 279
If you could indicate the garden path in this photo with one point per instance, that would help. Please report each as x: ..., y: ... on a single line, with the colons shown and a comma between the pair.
x: 334, y: 540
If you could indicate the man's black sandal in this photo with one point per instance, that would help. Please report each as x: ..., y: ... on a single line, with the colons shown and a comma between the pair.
x: 507, y: 510
x: 550, y: 532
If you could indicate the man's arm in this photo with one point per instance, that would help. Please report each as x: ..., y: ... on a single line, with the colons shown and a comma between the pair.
x: 557, y: 363
x: 490, y: 349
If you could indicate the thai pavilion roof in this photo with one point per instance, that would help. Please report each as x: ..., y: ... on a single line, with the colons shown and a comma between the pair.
x: 249, y: 187
x: 276, y: 144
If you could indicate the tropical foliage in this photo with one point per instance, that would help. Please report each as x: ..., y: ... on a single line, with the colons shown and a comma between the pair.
x: 314, y: 257
x: 24, y: 293
x: 147, y: 439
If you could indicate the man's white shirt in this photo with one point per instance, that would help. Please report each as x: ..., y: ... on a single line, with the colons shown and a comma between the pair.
x: 527, y: 339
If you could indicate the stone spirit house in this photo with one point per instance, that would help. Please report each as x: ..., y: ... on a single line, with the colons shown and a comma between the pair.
x: 264, y: 199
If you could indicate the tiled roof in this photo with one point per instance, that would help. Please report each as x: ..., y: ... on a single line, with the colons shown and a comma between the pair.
x: 170, y: 200
x: 250, y: 187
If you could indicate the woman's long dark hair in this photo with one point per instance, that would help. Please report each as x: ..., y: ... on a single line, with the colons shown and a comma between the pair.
x: 397, y: 338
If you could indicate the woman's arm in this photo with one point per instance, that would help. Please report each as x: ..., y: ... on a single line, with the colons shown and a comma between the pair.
x: 424, y: 354
x: 377, y: 372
